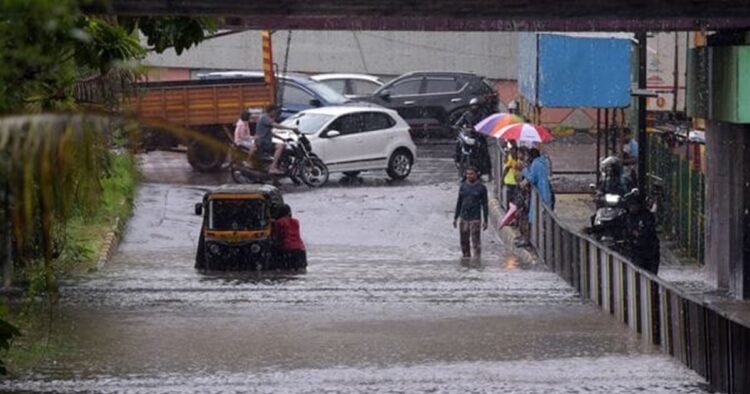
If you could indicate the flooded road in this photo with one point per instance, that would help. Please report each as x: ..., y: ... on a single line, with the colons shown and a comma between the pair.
x: 386, y: 305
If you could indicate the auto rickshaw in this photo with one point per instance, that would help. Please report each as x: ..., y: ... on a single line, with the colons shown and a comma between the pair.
x: 237, y: 228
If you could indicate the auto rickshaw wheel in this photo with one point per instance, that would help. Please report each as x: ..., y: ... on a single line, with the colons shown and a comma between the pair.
x: 200, y: 254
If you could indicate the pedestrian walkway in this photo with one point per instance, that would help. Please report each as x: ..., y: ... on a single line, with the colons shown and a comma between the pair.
x: 575, y: 210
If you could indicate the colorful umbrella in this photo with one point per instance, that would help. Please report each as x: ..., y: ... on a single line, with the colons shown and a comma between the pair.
x: 495, y: 122
x: 525, y: 132
x: 505, y: 122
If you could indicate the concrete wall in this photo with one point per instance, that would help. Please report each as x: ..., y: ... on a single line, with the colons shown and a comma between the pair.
x: 663, y: 50
x: 388, y: 53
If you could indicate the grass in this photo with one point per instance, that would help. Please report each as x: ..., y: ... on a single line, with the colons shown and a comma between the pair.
x: 86, y: 232
x: 85, y: 236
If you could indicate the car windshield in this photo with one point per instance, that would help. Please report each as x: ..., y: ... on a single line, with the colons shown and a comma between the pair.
x: 329, y: 95
x: 307, y: 123
x: 237, y: 215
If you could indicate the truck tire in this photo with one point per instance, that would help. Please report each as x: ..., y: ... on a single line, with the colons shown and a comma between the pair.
x: 203, y: 159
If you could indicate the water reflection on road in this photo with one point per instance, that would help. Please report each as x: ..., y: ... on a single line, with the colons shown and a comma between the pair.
x: 386, y: 305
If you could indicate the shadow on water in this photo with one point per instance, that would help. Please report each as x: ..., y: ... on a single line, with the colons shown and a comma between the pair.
x: 271, y: 277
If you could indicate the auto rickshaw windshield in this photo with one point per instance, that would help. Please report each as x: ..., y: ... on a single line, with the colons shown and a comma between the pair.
x: 237, y: 215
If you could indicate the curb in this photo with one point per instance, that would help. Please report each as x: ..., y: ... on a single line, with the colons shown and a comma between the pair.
x: 111, y: 242
x: 507, y: 235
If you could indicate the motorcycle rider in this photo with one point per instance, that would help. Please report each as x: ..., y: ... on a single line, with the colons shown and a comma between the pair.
x: 264, y: 136
x: 644, y: 242
x: 614, y: 181
x: 467, y: 120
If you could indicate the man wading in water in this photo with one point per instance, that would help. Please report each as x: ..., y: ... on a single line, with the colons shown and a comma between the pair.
x: 472, y: 208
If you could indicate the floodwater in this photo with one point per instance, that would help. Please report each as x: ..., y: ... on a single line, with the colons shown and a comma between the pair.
x: 386, y: 305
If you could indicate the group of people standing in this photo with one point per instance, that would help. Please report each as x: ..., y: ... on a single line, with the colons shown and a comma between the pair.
x: 525, y: 168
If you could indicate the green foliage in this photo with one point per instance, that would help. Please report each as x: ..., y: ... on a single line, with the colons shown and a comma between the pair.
x: 7, y: 333
x: 34, y: 73
x: 44, y: 47
x: 105, y: 45
x: 60, y: 185
x: 50, y: 163
x: 178, y: 32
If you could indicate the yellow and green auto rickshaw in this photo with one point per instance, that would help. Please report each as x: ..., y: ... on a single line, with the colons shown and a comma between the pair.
x: 237, y: 228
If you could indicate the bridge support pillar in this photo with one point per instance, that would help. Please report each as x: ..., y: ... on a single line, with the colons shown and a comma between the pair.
x: 728, y: 206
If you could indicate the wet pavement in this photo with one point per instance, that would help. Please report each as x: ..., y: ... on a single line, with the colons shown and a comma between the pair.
x: 386, y: 305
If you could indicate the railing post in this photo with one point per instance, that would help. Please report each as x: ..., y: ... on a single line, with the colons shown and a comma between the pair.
x: 579, y: 263
x: 594, y: 286
x: 534, y: 222
x: 619, y: 291
x: 667, y: 341
x: 633, y: 301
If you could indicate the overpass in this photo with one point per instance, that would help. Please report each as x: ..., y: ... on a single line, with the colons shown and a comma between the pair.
x: 441, y: 15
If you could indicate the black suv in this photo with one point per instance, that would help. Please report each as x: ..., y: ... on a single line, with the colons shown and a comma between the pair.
x: 432, y: 101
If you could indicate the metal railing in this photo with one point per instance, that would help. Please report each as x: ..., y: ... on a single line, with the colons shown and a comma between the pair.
x: 712, y: 342
x: 675, y: 175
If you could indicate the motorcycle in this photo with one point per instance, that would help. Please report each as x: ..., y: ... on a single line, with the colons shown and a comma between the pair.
x: 297, y: 162
x: 626, y: 223
x: 467, y: 151
x: 609, y: 221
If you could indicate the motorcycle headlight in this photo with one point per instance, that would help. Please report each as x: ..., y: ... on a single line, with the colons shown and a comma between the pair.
x: 612, y: 199
x: 470, y: 141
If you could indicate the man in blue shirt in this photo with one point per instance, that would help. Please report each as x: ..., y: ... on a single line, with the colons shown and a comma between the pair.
x: 264, y: 136
x: 630, y: 156
x: 538, y: 176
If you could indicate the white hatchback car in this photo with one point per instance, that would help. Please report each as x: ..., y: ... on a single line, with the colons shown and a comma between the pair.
x: 352, y: 139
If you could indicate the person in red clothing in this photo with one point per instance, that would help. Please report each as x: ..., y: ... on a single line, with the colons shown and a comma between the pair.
x: 287, y: 235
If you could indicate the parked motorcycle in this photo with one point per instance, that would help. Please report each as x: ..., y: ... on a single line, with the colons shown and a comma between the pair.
x: 627, y: 224
x: 298, y: 163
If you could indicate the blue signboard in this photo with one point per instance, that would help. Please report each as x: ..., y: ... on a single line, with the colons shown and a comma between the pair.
x: 560, y: 71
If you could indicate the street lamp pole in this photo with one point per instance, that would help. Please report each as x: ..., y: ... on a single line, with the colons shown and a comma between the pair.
x: 642, y: 136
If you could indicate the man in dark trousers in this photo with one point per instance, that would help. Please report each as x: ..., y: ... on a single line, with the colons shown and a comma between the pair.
x: 473, y: 211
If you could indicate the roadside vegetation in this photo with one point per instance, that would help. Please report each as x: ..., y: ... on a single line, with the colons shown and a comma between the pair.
x: 67, y: 174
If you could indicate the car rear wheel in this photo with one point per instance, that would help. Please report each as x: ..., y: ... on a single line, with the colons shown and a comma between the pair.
x: 399, y: 165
